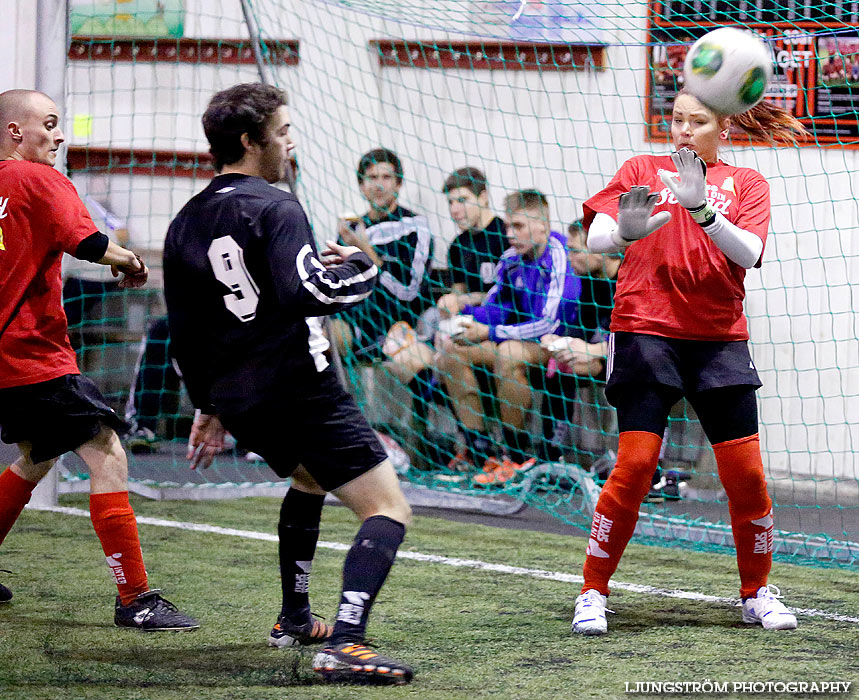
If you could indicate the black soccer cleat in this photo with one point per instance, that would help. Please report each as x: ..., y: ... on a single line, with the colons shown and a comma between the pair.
x: 5, y: 594
x: 150, y: 612
x: 668, y: 488
x: 288, y: 634
x: 351, y: 662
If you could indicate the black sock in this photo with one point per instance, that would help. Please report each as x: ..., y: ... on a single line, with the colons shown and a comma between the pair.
x: 365, y: 570
x: 518, y: 444
x: 479, y: 446
x: 298, y: 532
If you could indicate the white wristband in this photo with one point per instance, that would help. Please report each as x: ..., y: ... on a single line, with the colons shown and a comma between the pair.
x: 604, y: 235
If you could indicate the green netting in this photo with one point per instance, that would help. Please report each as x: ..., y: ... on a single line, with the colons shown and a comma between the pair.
x: 552, y: 96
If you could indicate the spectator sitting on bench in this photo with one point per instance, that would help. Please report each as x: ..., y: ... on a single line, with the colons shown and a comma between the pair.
x: 579, y: 359
x: 474, y: 254
x: 535, y: 293
x: 583, y: 352
x: 400, y: 243
x: 472, y: 260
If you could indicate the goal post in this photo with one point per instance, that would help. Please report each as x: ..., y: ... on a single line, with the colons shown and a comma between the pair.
x: 52, y: 31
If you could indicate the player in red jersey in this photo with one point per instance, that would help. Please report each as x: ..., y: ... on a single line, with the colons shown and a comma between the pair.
x: 46, y: 407
x: 690, y: 225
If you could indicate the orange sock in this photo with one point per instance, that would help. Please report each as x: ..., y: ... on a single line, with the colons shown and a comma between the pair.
x: 617, y: 509
x: 15, y: 493
x: 742, y: 474
x: 116, y: 527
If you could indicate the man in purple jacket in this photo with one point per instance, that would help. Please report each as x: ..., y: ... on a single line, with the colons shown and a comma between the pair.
x: 536, y: 292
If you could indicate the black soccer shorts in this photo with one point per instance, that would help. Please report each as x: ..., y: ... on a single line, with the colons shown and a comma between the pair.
x: 56, y: 416
x: 317, y: 425
x: 691, y: 366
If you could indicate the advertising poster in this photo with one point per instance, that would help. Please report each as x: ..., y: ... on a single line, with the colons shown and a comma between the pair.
x: 127, y: 18
x: 816, y: 60
x: 542, y: 21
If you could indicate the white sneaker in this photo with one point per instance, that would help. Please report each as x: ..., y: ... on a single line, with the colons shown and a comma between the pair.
x: 767, y: 610
x: 590, y: 613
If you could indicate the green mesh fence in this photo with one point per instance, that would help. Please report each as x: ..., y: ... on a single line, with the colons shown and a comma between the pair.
x: 550, y: 96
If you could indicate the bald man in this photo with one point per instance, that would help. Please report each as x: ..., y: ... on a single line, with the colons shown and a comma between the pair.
x: 46, y: 407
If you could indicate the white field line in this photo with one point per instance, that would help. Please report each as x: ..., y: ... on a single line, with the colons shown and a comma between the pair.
x: 466, y: 563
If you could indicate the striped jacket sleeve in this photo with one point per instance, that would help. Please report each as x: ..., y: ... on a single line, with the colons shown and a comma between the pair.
x: 545, y: 313
x: 301, y: 281
x: 416, y: 231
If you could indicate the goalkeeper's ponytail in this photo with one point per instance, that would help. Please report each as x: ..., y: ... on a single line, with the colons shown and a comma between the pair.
x: 767, y: 122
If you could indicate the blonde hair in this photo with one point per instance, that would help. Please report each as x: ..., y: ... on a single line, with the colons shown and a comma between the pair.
x: 527, y: 199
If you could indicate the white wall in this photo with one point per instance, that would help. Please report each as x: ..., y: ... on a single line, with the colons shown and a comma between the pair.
x: 17, y: 44
x: 565, y: 133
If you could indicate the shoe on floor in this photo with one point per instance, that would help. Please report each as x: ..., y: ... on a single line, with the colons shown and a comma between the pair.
x: 503, y: 472
x: 288, y: 634
x: 5, y: 594
x: 142, y: 441
x: 765, y: 609
x: 461, y: 462
x: 458, y: 469
x: 152, y: 613
x: 668, y: 488
x: 589, y: 617
x: 352, y: 662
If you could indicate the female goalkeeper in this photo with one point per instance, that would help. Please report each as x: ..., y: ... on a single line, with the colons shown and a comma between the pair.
x: 690, y: 226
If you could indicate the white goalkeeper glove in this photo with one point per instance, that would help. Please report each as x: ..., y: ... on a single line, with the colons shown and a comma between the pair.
x: 634, y: 220
x: 690, y: 190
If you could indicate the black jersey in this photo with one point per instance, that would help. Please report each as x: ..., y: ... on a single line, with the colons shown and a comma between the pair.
x: 244, y: 290
x: 404, y: 243
x: 595, y: 305
x: 474, y: 254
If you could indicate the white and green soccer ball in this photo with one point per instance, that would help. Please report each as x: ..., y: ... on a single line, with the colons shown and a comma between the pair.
x: 728, y: 70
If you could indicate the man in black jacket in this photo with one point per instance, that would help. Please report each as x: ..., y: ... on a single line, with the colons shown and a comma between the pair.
x: 245, y: 289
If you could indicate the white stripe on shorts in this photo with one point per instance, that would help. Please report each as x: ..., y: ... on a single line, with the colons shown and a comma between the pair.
x: 609, y: 359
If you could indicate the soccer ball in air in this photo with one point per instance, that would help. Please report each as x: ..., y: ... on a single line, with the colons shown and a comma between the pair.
x: 728, y: 70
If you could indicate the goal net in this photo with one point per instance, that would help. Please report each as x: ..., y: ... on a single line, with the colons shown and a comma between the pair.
x: 550, y: 96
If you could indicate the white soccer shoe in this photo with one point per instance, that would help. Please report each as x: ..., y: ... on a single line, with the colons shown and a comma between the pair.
x: 590, y: 613
x: 765, y: 609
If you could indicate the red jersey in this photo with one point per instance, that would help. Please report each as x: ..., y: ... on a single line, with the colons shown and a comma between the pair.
x: 41, y: 217
x: 676, y: 282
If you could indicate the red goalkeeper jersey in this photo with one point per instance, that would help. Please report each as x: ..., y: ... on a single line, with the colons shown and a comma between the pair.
x: 676, y: 282
x: 41, y: 217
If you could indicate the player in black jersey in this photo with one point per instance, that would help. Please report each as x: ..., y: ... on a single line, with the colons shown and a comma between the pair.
x: 245, y: 289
